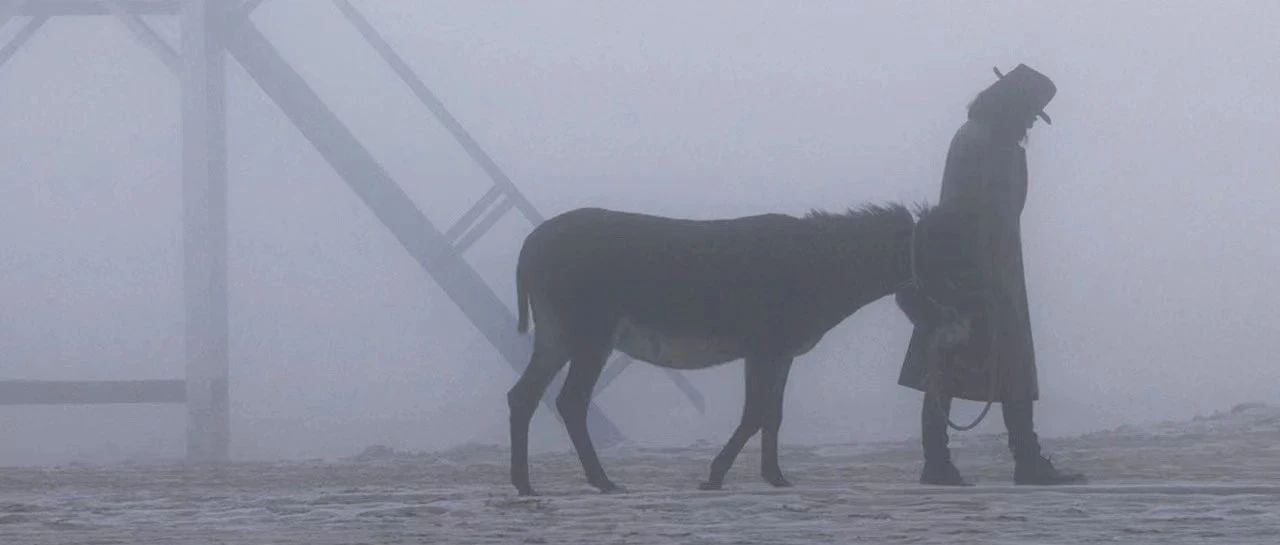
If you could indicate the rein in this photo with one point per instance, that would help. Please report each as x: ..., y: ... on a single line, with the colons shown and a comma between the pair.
x: 950, y: 316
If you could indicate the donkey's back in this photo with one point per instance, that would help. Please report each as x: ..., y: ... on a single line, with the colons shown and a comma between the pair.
x: 593, y: 268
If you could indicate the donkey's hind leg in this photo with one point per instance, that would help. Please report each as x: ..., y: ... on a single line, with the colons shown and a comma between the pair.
x: 574, y: 398
x: 523, y: 399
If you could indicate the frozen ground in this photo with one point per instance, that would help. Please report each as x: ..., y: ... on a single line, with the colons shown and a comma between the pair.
x: 1213, y: 479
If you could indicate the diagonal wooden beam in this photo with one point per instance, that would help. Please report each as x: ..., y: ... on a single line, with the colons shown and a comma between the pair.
x: 24, y: 34
x: 688, y: 389
x: 146, y: 35
x: 386, y: 199
x: 614, y: 368
x: 620, y: 362
x: 433, y: 103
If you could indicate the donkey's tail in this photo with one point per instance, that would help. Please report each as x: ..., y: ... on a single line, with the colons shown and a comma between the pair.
x: 522, y: 297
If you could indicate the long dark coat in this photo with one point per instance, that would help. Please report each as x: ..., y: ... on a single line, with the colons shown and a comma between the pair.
x: 987, y: 178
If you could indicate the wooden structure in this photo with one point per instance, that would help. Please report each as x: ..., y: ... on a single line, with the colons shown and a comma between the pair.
x: 212, y: 31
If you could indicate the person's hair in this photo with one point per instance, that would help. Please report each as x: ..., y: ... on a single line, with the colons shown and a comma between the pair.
x: 1006, y: 117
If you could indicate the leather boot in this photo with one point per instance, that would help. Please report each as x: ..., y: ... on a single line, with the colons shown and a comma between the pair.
x: 941, y: 473
x: 1030, y: 466
x: 1039, y: 470
x: 938, y: 469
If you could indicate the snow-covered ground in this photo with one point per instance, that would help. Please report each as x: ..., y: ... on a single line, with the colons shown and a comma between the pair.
x: 1212, y: 479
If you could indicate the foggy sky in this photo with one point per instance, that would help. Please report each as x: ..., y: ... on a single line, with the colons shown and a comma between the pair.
x: 1149, y: 228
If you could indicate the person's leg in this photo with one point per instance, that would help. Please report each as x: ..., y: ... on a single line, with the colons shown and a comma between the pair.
x: 933, y: 428
x: 1030, y: 467
x: 938, y: 469
x: 1019, y: 421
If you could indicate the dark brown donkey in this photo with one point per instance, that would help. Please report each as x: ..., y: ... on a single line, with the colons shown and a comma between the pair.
x: 687, y: 294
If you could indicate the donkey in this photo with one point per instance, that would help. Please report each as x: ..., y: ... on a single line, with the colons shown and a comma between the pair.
x: 686, y: 294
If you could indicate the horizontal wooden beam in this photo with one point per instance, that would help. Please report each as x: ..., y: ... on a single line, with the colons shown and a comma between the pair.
x: 96, y: 7
x: 55, y: 392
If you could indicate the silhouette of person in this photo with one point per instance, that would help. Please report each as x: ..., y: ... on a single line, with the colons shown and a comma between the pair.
x: 985, y: 184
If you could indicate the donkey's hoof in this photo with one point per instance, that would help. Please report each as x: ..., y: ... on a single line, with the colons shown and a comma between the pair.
x: 526, y: 492
x: 608, y: 487
x: 710, y: 485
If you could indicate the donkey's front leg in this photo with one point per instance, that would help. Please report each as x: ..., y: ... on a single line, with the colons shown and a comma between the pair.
x: 757, y: 390
x: 772, y: 423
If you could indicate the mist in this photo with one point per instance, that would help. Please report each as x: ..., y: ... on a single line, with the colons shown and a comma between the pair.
x: 1148, y: 232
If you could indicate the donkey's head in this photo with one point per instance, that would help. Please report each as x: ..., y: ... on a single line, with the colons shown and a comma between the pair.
x: 944, y: 252
x: 875, y: 242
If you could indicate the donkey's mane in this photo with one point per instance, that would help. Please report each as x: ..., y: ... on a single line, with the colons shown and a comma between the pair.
x: 865, y: 216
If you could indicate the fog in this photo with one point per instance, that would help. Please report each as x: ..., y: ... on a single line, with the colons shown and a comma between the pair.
x: 1149, y: 231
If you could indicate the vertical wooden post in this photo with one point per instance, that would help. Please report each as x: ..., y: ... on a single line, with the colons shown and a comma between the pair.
x: 204, y: 202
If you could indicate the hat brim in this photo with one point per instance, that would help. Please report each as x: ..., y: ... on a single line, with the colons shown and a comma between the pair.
x: 1040, y: 114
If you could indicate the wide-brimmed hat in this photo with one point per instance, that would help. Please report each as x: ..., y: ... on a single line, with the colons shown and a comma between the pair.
x: 1028, y: 87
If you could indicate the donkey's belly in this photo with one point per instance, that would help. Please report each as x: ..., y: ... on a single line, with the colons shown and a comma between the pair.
x: 675, y: 350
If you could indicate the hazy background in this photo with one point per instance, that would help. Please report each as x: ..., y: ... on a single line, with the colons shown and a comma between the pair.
x: 1149, y: 231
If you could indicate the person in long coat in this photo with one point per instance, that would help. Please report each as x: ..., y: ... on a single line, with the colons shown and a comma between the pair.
x: 984, y: 188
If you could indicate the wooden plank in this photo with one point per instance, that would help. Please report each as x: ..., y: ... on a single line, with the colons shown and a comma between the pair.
x: 204, y: 196
x: 387, y: 200
x: 54, y: 392
x: 96, y: 7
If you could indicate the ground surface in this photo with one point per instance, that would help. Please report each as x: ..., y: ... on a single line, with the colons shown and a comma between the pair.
x: 1212, y: 479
